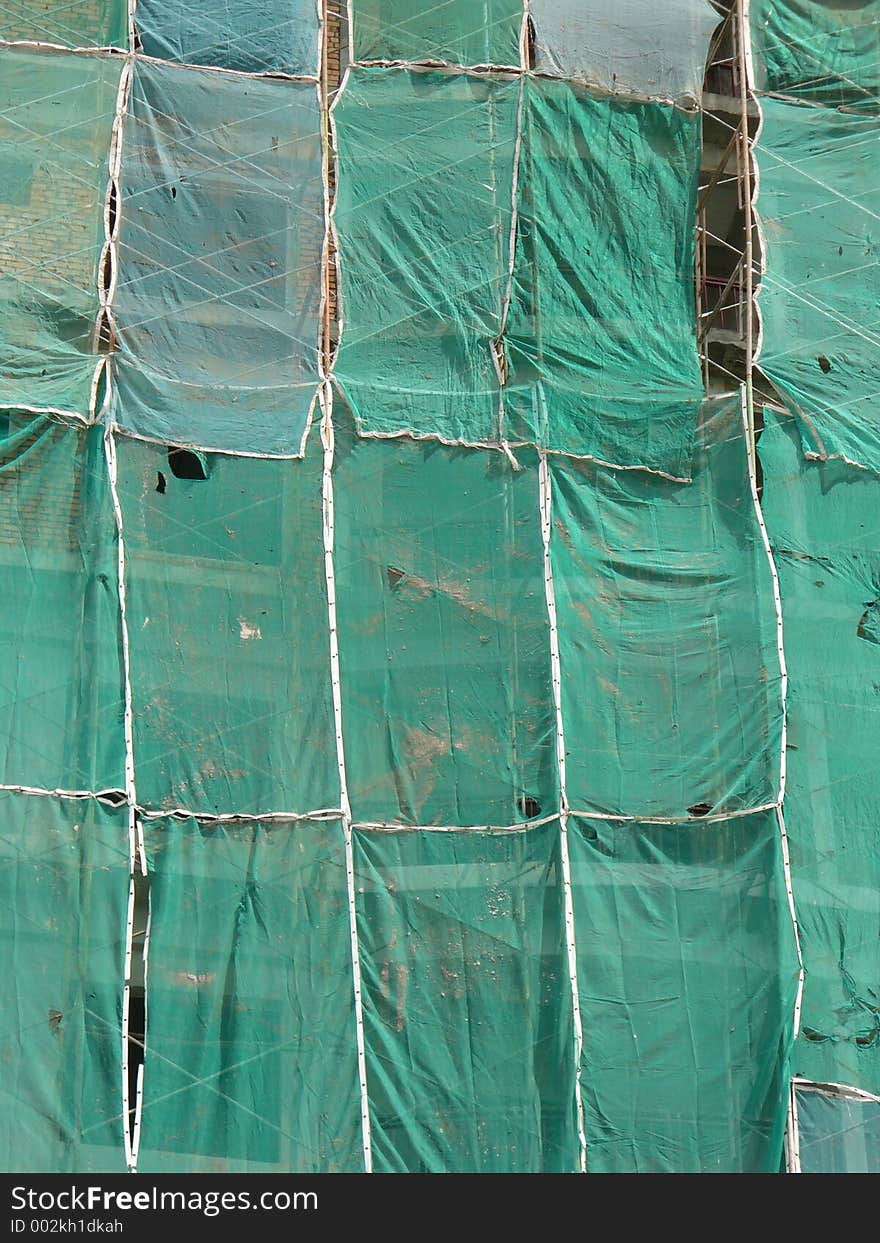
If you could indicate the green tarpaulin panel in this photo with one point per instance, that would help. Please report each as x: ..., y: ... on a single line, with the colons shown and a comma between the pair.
x: 56, y: 117
x: 251, y: 1052
x: 444, y: 635
x: 424, y: 233
x: 221, y: 235
x: 827, y: 548
x: 824, y: 50
x: 423, y: 215
x: 820, y: 297
x: 251, y: 36
x: 601, y: 337
x: 227, y: 618
x: 838, y: 1135
x: 637, y: 47
x: 67, y: 23
x: 461, y: 32
x: 687, y: 973
x: 61, y: 695
x: 64, y: 868
x: 671, y: 686
x: 467, y: 1002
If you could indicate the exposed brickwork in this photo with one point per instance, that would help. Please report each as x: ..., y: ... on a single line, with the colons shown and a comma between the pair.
x: 333, y: 36
x: 84, y: 21
x: 49, y: 241
x: 39, y: 508
x: 333, y: 75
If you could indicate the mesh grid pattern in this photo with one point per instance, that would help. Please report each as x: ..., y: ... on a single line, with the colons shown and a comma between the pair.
x: 427, y: 642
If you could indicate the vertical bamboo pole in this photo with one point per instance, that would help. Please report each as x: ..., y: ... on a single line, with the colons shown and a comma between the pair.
x: 746, y: 293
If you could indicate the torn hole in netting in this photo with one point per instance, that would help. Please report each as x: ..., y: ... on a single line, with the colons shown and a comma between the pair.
x: 113, y: 798
x: 188, y: 464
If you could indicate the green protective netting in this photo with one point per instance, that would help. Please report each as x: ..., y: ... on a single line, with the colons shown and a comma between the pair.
x: 467, y: 1002
x: 601, y: 337
x: 637, y: 47
x: 838, y: 1134
x: 820, y: 296
x: 68, y: 23
x: 251, y: 1049
x: 64, y: 868
x: 827, y: 548
x: 423, y: 214
x: 461, y: 32
x: 228, y: 626
x: 61, y: 698
x: 824, y: 50
x: 56, y: 118
x: 671, y: 686
x: 687, y: 974
x: 444, y: 634
x: 221, y: 236
x: 251, y: 36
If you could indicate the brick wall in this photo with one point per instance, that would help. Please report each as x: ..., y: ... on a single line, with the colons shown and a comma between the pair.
x: 333, y: 57
x: 40, y: 506
x: 84, y: 19
x: 48, y: 241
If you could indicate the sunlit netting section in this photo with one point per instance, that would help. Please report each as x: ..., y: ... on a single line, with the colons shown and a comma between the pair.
x: 424, y: 155
x: 219, y: 294
x: 392, y: 614
x: 839, y: 1130
x: 817, y: 210
x: 632, y: 47
x: 250, y: 36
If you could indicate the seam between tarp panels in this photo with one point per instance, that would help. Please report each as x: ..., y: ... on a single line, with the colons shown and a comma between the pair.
x: 328, y: 442
x: 780, y: 818
x: 324, y: 814
x: 136, y: 843
x: 754, y: 221
x: 108, y: 265
x: 545, y: 503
